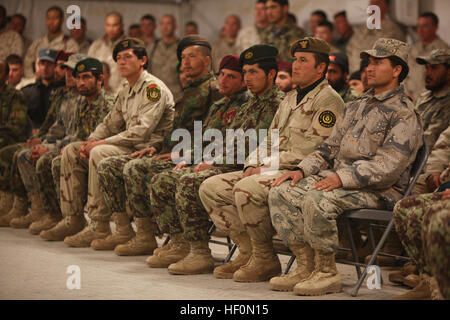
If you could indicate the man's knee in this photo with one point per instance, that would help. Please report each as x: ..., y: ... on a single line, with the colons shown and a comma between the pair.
x: 251, y: 188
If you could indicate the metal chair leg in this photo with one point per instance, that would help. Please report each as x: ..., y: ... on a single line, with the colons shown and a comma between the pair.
x: 352, y: 244
x: 374, y: 256
x: 230, y: 254
x: 289, y: 265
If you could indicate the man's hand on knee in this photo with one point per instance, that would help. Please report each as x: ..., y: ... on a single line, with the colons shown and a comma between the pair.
x: 86, y: 149
x: 295, y: 175
x: 329, y: 183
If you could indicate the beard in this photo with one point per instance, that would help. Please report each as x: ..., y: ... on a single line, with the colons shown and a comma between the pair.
x: 338, y: 85
x: 438, y: 85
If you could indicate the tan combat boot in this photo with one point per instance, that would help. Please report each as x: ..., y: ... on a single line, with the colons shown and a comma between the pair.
x: 143, y: 243
x: 411, y: 280
x: 422, y: 291
x: 36, y: 212
x: 262, y: 265
x: 226, y: 271
x: 46, y: 222
x: 124, y: 232
x: 94, y: 230
x: 305, y: 266
x: 324, y: 279
x: 176, y: 250
x: 165, y: 248
x: 398, y: 276
x: 6, y: 202
x: 19, y: 209
x: 68, y: 226
x: 198, y: 261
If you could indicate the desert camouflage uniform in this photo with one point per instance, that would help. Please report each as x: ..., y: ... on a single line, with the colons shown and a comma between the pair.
x: 13, y: 130
x: 124, y: 179
x: 371, y: 150
x: 61, y: 42
x: 222, y: 48
x: 78, y: 128
x: 141, y: 115
x: 248, y: 37
x: 282, y: 38
x: 102, y: 50
x: 12, y: 43
x: 174, y: 195
x: 240, y: 205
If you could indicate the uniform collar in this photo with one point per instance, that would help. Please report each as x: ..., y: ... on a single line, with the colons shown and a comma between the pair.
x: 139, y: 83
x: 57, y: 39
x: 385, y: 95
x: 199, y: 81
x: 310, y: 91
x: 267, y: 95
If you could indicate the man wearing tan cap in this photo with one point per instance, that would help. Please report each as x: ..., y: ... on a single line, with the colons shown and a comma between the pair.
x: 365, y: 163
x: 237, y: 201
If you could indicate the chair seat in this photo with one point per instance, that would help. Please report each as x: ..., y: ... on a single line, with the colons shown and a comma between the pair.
x: 369, y: 214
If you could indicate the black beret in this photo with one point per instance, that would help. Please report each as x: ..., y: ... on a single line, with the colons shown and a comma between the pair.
x: 192, y: 40
x: 128, y: 43
x: 88, y: 64
x: 258, y: 53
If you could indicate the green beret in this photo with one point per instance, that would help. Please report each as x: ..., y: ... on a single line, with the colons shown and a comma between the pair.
x: 192, y: 40
x: 88, y: 64
x: 309, y: 44
x: 128, y: 43
x: 258, y: 53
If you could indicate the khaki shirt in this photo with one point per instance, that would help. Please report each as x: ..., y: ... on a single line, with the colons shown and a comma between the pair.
x: 303, y: 126
x: 434, y: 109
x: 220, y: 50
x: 61, y: 42
x: 373, y: 146
x: 415, y: 81
x: 141, y: 115
x: 11, y: 43
x: 163, y: 66
x: 248, y: 37
x: 439, y: 160
x: 102, y: 50
x: 364, y: 38
x: 84, y: 46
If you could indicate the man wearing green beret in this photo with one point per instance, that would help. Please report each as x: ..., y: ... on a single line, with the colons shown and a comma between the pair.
x: 91, y: 108
x: 142, y: 113
x: 195, y: 54
x: 237, y: 201
x: 174, y: 195
x: 364, y: 163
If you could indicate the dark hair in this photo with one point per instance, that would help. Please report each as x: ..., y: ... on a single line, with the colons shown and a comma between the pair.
x: 83, y: 21
x: 6, y: 67
x: 320, y: 13
x: 432, y: 16
x: 396, y: 61
x: 3, y: 10
x: 106, y: 68
x: 327, y: 24
x: 56, y: 8
x: 292, y: 17
x: 117, y: 14
x: 341, y: 13
x: 192, y: 23
x: 268, y: 65
x: 134, y: 25
x: 261, y: 1
x: 148, y: 17
x: 14, y: 59
x: 140, y: 53
x: 21, y: 17
x: 320, y: 57
x: 282, y: 2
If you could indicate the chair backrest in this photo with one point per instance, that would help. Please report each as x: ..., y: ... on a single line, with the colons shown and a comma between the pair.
x: 417, y: 166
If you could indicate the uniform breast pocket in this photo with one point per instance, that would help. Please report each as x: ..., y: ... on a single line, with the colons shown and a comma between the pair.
x: 372, y: 138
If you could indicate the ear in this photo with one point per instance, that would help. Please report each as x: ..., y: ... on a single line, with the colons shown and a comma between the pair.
x: 272, y: 75
x: 321, y: 67
x: 208, y: 60
x: 144, y: 61
x: 396, y: 72
x: 101, y: 78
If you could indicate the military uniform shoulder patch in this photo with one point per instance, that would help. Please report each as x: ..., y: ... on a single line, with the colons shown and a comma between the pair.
x: 327, y: 119
x: 153, y: 93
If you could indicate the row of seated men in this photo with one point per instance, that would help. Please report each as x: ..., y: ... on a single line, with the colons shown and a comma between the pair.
x: 122, y: 154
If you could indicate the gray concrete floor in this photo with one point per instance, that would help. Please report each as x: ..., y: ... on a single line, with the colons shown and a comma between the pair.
x: 32, y: 268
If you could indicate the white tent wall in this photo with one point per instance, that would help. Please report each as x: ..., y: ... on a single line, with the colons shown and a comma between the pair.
x: 209, y: 14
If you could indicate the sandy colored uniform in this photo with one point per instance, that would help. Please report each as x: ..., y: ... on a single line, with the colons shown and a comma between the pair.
x: 371, y: 150
x: 222, y: 48
x: 239, y: 205
x: 140, y: 117
x: 12, y: 43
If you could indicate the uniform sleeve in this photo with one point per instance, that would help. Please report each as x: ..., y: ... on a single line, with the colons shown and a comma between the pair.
x: 150, y: 113
x: 15, y: 128
x: 391, y: 159
x: 112, y: 124
x: 438, y: 123
x: 439, y: 158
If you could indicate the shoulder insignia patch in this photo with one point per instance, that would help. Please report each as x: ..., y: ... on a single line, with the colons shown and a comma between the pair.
x: 153, y: 93
x: 327, y: 119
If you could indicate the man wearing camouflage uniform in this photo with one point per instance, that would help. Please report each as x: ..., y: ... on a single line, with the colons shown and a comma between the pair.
x: 92, y: 106
x: 237, y: 201
x: 174, y: 193
x: 365, y: 163
x: 142, y: 112
x: 11, y: 41
x: 282, y: 32
x: 13, y: 130
x: 27, y: 157
x: 337, y: 76
x: 251, y: 35
x: 124, y: 179
x: 409, y: 215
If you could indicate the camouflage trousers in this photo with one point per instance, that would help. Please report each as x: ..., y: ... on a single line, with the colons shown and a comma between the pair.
x: 9, y: 174
x: 47, y: 191
x: 27, y: 169
x: 301, y: 214
x: 56, y: 174
x: 237, y: 204
x: 79, y: 179
x: 124, y: 179
x: 176, y: 204
x: 436, y: 243
x: 408, y: 219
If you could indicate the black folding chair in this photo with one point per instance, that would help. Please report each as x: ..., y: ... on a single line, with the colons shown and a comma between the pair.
x: 382, y: 216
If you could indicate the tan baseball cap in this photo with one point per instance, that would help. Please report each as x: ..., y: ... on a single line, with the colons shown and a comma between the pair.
x: 437, y: 56
x: 386, y: 47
